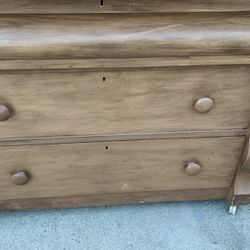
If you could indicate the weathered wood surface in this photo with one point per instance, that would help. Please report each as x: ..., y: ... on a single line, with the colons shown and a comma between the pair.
x: 129, y: 36
x: 132, y: 101
x: 118, y: 167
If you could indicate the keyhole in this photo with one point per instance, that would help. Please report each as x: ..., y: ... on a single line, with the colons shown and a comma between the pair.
x: 101, y: 3
x: 104, y: 79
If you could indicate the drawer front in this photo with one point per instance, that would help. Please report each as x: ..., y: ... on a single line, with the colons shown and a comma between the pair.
x: 126, y: 36
x: 42, y: 104
x: 117, y: 167
x: 119, y: 6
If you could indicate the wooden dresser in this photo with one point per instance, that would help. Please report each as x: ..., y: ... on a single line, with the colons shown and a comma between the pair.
x: 114, y: 102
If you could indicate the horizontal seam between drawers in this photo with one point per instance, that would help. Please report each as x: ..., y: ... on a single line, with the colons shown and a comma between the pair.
x: 70, y: 139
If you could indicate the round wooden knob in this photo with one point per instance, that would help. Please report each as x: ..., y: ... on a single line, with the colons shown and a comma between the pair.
x: 19, y: 178
x: 193, y: 168
x: 4, y: 112
x: 204, y: 104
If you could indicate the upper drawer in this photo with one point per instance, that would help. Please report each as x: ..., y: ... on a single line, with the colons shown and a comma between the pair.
x: 128, y: 101
x: 117, y: 36
x: 119, y: 6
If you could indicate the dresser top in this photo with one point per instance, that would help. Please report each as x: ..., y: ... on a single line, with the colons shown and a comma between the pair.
x: 126, y: 36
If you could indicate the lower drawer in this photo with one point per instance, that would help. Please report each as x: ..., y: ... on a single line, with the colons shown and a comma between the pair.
x: 119, y: 168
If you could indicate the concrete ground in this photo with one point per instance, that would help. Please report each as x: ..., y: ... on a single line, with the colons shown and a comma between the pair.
x: 185, y: 225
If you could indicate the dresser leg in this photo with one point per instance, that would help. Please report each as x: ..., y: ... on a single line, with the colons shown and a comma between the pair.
x: 239, y: 193
x: 232, y: 209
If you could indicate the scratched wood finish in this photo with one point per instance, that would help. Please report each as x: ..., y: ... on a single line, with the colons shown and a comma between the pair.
x: 129, y: 36
x: 118, y: 167
x: 159, y: 100
x: 118, y: 6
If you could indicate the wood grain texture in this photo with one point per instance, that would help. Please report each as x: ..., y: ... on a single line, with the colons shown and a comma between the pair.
x: 114, y: 199
x: 118, y: 167
x: 116, y: 6
x: 141, y: 101
x: 121, y: 63
x: 129, y: 36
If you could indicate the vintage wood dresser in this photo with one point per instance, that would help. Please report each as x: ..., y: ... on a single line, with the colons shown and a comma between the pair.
x: 113, y: 102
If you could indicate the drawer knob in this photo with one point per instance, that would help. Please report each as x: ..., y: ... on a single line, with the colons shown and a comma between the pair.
x: 19, y: 178
x: 193, y: 168
x: 204, y: 104
x: 4, y: 112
